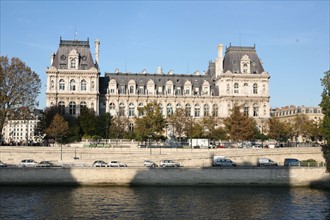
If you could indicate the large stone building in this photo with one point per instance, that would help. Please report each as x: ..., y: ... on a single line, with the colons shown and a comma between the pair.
x: 234, y: 78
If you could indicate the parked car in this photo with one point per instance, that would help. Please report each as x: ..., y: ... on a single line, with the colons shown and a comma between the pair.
x: 223, y: 162
x: 46, y: 163
x: 116, y: 163
x: 289, y: 162
x: 28, y: 163
x: 169, y: 163
x: 149, y: 163
x: 100, y: 163
x: 266, y: 162
x: 2, y: 164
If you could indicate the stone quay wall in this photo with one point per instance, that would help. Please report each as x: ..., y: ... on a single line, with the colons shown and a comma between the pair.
x: 253, y: 176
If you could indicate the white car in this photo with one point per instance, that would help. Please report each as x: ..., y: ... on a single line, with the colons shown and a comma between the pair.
x: 29, y: 163
x: 100, y: 163
x: 169, y: 163
x: 149, y: 163
x: 116, y: 163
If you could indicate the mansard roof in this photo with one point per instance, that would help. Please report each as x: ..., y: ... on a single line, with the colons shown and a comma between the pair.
x: 233, y: 58
x: 162, y: 79
x: 81, y: 47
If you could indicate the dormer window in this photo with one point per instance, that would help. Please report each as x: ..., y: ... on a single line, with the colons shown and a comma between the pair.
x: 245, y: 64
x: 73, y: 59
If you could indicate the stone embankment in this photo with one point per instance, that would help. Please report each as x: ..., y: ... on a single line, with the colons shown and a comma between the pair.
x: 196, y: 168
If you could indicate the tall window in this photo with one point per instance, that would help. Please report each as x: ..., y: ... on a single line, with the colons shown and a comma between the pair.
x: 121, y: 109
x: 72, y: 108
x: 72, y: 85
x: 61, y: 105
x: 228, y: 88
x: 169, y: 109
x: 255, y: 88
x: 236, y: 88
x: 131, y: 89
x: 246, y: 110
x: 245, y: 68
x: 206, y: 110
x: 255, y: 110
x: 197, y: 111
x: 140, y: 111
x: 215, y: 110
x: 122, y: 90
x: 83, y: 85
x: 62, y: 84
x: 188, y: 110
x: 131, y: 108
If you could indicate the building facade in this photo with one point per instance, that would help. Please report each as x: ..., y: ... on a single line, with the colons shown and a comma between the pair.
x: 289, y: 113
x: 236, y: 77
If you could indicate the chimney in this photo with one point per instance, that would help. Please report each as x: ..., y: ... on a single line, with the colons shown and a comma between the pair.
x: 218, y: 62
x: 97, y: 50
x: 52, y: 59
x: 159, y: 70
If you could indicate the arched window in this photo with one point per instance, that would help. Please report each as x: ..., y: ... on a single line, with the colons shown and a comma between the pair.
x: 169, y: 109
x: 140, y: 109
x: 131, y: 109
x: 72, y: 108
x: 83, y: 104
x: 131, y: 127
x: 178, y: 106
x: 197, y: 111
x: 72, y: 85
x: 246, y: 110
x: 161, y: 108
x: 61, y: 105
x: 121, y: 109
x: 215, y: 110
x: 255, y: 88
x: 73, y: 63
x: 245, y: 68
x: 62, y: 85
x: 188, y: 110
x: 83, y: 85
x: 255, y: 110
x: 236, y: 88
x: 246, y: 88
x: 206, y: 110
x: 112, y: 106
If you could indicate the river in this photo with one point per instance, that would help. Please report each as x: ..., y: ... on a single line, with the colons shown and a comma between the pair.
x: 64, y: 202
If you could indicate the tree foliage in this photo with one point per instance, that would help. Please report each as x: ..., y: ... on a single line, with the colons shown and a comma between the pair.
x: 152, y: 124
x: 178, y: 120
x: 325, y: 104
x: 58, y: 127
x: 19, y: 87
x: 279, y: 130
x: 88, y: 121
x: 239, y: 126
x: 212, y: 128
x: 119, y: 127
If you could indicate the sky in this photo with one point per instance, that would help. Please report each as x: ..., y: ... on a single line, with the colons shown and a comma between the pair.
x: 291, y: 37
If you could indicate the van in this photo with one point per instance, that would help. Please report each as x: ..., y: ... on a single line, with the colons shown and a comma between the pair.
x: 289, y: 162
x: 222, y: 162
x: 266, y: 162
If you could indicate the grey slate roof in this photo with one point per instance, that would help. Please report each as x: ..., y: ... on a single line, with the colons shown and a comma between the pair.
x: 234, y: 55
x: 82, y: 47
x: 161, y: 79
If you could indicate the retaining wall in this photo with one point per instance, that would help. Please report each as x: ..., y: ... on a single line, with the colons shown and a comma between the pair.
x: 297, y: 176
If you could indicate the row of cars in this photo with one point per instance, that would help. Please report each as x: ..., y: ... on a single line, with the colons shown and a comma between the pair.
x: 146, y: 163
x: 33, y: 163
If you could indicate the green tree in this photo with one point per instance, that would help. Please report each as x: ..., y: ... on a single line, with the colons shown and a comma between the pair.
x: 325, y: 104
x: 88, y: 121
x: 119, y: 127
x: 152, y: 124
x: 278, y: 130
x: 239, y: 126
x: 19, y: 87
x: 212, y: 128
x: 58, y: 128
x: 178, y: 121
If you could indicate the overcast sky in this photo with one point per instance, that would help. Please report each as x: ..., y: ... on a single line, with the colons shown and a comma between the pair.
x: 291, y: 38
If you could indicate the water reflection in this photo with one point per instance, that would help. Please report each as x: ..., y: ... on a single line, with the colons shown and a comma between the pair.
x: 163, y: 203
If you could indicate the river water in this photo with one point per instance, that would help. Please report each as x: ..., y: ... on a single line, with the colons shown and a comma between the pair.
x: 64, y: 202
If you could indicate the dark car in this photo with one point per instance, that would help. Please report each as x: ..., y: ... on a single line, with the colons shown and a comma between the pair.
x: 289, y: 162
x: 45, y: 163
x: 223, y: 162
